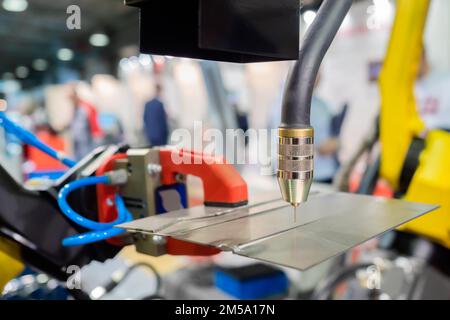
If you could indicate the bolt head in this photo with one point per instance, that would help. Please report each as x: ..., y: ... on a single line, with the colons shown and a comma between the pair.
x: 154, y: 169
x: 109, y: 202
x: 158, y: 240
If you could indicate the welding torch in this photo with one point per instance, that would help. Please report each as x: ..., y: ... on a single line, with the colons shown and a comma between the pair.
x: 295, y: 134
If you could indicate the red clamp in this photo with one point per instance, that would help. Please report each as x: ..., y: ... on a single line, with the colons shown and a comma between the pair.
x: 222, y: 184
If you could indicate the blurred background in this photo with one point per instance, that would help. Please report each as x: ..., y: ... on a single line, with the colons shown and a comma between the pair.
x: 81, y: 86
x: 41, y: 59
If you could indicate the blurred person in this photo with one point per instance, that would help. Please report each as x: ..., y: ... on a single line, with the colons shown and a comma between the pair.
x: 433, y: 95
x: 326, y: 144
x: 241, y: 117
x: 36, y: 120
x: 325, y: 166
x: 3, y: 103
x: 86, y: 131
x: 156, y: 123
x: 112, y: 128
x: 41, y: 163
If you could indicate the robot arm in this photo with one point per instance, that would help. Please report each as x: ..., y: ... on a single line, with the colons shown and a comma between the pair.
x: 413, y: 165
x: 399, y: 119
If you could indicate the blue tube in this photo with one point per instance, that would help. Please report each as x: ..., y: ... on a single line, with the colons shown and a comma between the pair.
x: 91, y: 237
x: 95, y: 236
x: 100, y: 231
x: 74, y: 216
x: 29, y: 138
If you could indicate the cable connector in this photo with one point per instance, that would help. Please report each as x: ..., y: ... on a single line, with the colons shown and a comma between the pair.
x: 117, y: 176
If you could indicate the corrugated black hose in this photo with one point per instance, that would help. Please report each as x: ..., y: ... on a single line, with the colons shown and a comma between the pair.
x: 296, y: 107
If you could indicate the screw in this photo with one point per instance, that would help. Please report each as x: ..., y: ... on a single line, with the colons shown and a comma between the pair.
x: 158, y: 240
x: 154, y: 169
x: 179, y: 178
x: 109, y: 202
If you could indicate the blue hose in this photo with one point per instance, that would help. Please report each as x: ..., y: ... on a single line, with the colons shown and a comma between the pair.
x: 29, y: 138
x: 100, y: 231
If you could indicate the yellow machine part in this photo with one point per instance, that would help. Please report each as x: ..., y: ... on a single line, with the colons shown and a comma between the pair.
x: 400, y: 123
x: 431, y: 184
x: 10, y: 264
x: 400, y: 120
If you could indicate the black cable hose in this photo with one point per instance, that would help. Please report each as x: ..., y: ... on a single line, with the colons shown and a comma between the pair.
x: 297, y: 97
x: 149, y: 267
x: 112, y: 284
x: 325, y: 289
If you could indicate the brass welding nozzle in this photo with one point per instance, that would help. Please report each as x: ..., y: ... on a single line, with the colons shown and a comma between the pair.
x: 295, y: 163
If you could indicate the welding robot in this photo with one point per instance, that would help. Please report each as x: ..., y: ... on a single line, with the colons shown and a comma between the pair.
x: 93, y: 184
x: 117, y: 184
x: 413, y: 160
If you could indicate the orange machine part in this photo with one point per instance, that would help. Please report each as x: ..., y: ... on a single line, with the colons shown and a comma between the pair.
x: 177, y: 247
x: 382, y: 188
x: 222, y: 183
x: 42, y: 161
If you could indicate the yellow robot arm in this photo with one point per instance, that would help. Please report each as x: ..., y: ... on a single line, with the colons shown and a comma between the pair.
x: 400, y: 123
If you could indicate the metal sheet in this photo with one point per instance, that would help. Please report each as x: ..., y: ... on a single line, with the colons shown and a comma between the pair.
x: 325, y: 226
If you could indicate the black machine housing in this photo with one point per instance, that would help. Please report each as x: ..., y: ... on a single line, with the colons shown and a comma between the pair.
x: 223, y: 30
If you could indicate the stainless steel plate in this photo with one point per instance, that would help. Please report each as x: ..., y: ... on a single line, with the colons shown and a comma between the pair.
x: 326, y: 225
